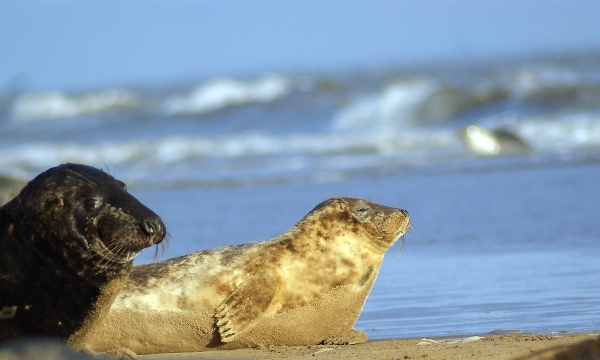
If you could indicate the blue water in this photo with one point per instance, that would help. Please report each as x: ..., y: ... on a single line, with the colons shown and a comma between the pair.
x: 497, y: 242
x: 491, y: 249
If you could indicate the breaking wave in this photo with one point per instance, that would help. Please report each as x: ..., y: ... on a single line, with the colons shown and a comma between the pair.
x: 220, y: 93
x: 57, y: 105
x: 307, y: 124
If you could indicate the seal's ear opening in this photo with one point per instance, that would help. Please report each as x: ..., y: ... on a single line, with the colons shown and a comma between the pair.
x: 360, y: 209
x: 362, y: 212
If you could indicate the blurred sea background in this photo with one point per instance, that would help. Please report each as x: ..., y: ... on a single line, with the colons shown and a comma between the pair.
x: 233, y: 119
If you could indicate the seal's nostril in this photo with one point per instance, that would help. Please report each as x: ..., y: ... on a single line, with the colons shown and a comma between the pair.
x: 155, y: 229
x: 151, y: 227
x: 404, y: 212
x: 148, y: 227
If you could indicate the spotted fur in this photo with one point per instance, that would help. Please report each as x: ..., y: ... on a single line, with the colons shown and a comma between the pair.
x: 305, y: 286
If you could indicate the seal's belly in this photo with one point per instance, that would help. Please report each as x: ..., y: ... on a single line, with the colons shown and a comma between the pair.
x: 147, y: 332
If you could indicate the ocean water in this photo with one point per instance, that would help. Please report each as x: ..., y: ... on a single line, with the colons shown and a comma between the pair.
x: 499, y: 240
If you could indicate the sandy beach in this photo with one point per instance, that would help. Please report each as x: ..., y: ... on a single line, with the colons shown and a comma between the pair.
x: 498, y: 347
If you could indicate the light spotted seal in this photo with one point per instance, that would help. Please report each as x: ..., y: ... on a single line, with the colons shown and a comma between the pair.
x: 306, y: 286
x: 484, y: 142
x: 67, y: 244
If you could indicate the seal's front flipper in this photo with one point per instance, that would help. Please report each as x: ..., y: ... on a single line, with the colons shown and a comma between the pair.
x: 244, y: 306
x: 352, y: 337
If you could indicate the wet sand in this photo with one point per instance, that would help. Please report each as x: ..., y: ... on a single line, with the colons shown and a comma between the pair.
x: 498, y: 347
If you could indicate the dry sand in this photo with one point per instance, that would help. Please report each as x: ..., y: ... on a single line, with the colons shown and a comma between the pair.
x: 508, y: 346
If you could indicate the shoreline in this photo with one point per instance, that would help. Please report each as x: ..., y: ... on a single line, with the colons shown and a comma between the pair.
x: 487, y: 346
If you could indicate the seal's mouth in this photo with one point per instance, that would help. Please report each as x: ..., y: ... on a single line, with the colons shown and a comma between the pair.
x: 107, y: 250
x: 110, y: 252
x: 114, y: 244
x: 396, y: 225
x: 391, y: 229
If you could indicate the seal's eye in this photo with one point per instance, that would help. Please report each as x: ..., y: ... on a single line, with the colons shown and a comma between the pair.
x: 91, y: 204
x: 362, y: 209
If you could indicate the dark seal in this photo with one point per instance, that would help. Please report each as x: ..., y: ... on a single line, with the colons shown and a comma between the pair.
x: 67, y: 243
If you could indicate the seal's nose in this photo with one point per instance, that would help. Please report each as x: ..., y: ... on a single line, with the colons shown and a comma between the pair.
x: 404, y: 212
x: 154, y: 228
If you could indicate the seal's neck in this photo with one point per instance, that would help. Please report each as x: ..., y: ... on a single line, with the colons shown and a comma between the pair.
x: 98, y: 309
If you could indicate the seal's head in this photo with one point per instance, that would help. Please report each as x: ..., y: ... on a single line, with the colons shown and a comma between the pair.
x: 381, y: 225
x: 67, y: 244
x: 87, y: 217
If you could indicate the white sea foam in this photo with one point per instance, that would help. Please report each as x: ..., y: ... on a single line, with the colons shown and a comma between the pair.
x: 395, y: 106
x: 425, y: 100
x: 562, y: 133
x: 406, y: 121
x: 175, y: 149
x: 544, y: 80
x: 260, y: 154
x: 54, y: 105
x: 220, y: 93
x: 42, y: 154
x: 413, y: 103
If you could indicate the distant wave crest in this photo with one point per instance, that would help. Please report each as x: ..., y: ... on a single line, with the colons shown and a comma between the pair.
x: 308, y: 124
x: 56, y: 105
x: 220, y: 93
x: 412, y: 103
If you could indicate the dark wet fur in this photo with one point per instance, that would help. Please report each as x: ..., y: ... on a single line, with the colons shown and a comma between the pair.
x: 70, y: 235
